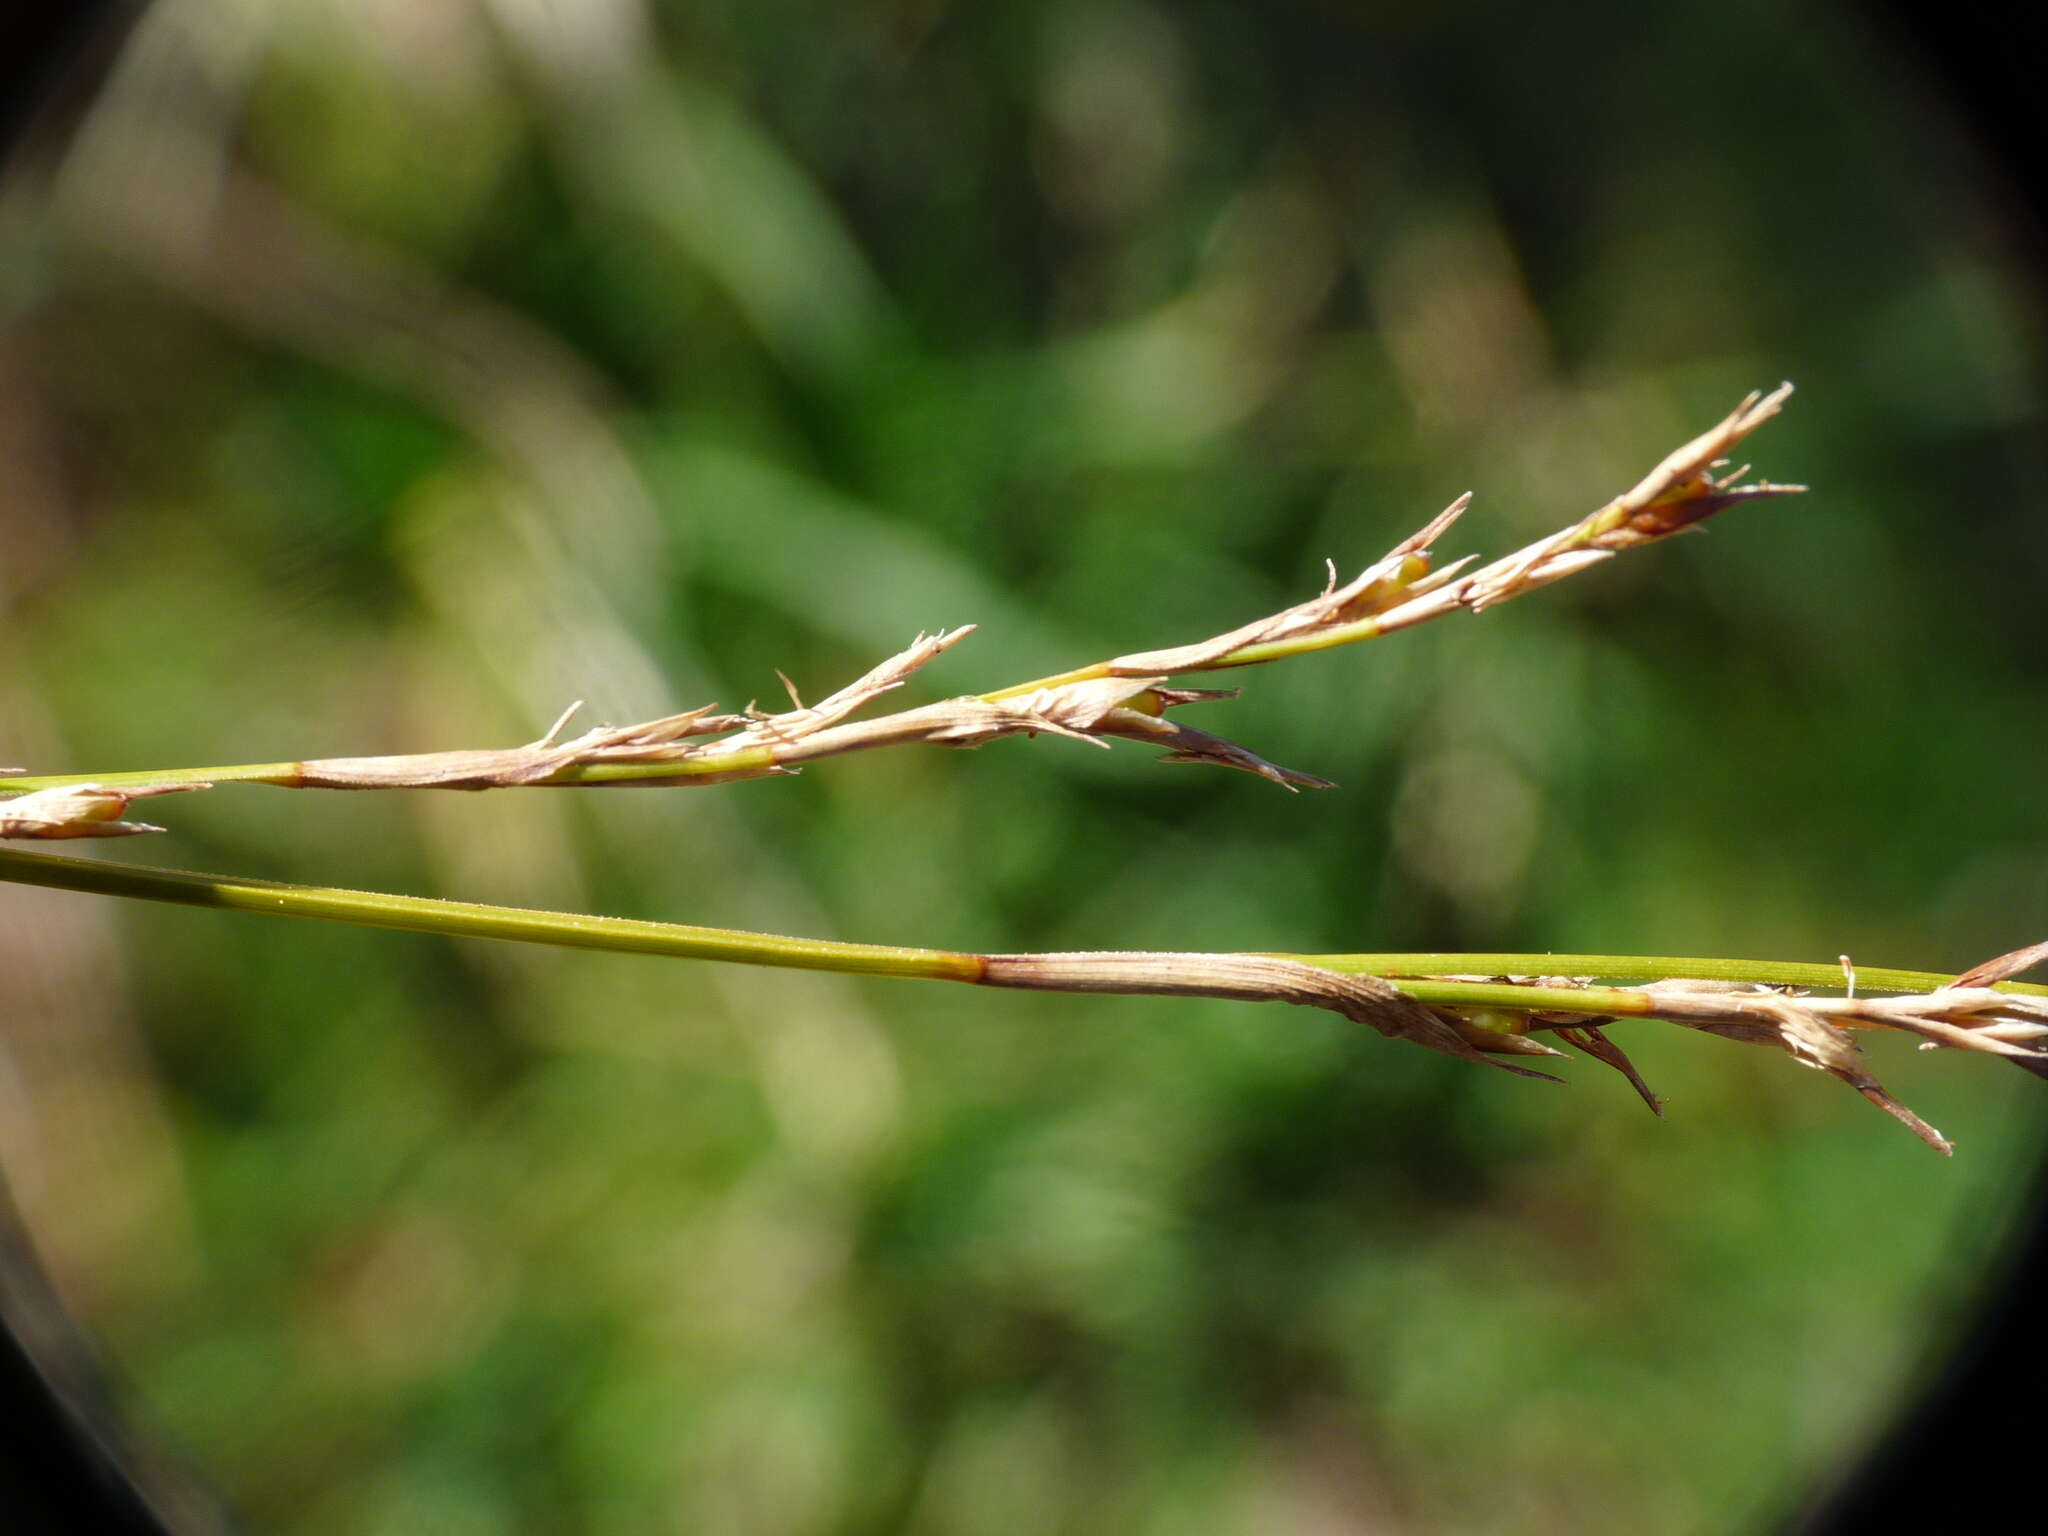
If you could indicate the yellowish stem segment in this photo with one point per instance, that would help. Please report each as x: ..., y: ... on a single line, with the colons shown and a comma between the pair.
x: 466, y: 919
x: 1785, y: 973
x: 1421, y: 976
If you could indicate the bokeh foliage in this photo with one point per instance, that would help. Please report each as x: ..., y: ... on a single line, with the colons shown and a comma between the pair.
x: 379, y: 377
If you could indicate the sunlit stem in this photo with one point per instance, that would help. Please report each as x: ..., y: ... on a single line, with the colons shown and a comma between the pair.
x: 465, y: 919
x: 149, y: 778
x: 1779, y: 973
x: 1420, y: 975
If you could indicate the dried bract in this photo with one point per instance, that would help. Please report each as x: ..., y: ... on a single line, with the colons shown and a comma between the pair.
x: 79, y: 810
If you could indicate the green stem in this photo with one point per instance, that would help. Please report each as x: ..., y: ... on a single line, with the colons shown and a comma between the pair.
x: 1784, y: 973
x: 149, y: 778
x: 1243, y: 656
x: 464, y: 919
x: 467, y: 919
x: 1087, y: 674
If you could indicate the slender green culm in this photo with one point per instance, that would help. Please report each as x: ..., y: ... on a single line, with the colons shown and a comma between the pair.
x: 150, y: 778
x: 1421, y: 976
x: 1776, y: 973
x: 475, y: 920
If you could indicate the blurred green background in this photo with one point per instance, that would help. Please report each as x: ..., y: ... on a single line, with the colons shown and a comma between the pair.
x: 379, y: 377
